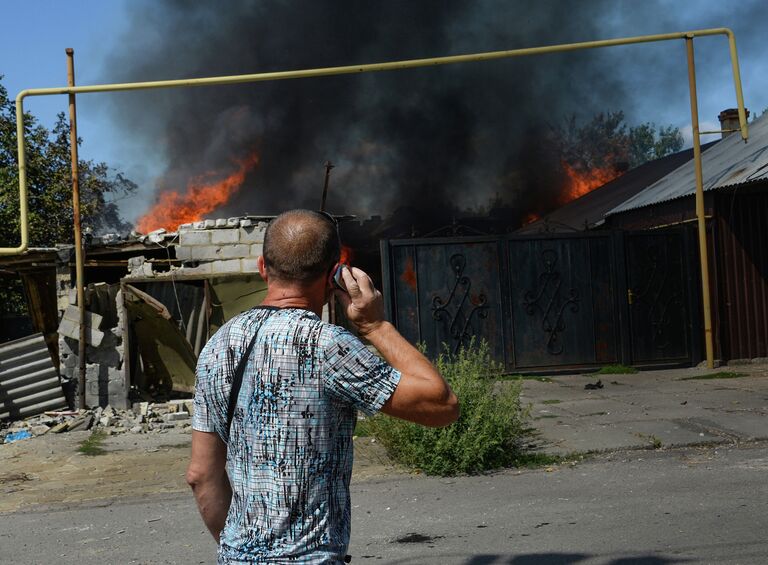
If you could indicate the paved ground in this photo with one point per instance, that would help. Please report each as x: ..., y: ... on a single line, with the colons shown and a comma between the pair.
x: 692, y: 505
x: 654, y: 408
x: 704, y: 502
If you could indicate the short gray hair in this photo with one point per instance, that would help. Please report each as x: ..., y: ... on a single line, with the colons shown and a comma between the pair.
x: 301, y: 245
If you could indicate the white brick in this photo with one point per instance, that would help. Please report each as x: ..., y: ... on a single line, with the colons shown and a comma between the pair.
x: 210, y: 224
x: 233, y: 222
x: 228, y: 266
x: 205, y: 268
x: 221, y: 223
x: 252, y: 235
x: 257, y: 249
x: 197, y: 237
x: 249, y: 265
x: 183, y: 253
x: 234, y: 251
x: 225, y: 236
x: 205, y: 252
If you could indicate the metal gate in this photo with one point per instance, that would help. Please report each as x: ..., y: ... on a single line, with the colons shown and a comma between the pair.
x: 549, y: 302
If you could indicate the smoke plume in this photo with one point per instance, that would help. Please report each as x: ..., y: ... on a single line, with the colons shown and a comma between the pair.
x: 435, y: 140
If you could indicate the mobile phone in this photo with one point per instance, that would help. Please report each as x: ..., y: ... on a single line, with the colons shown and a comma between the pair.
x: 338, y: 280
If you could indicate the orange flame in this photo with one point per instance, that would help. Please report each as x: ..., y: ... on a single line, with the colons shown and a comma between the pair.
x: 346, y: 256
x: 581, y: 182
x: 201, y: 197
x: 530, y: 218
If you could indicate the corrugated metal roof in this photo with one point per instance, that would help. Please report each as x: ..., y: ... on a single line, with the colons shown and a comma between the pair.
x: 589, y: 210
x: 728, y: 163
x: 29, y: 383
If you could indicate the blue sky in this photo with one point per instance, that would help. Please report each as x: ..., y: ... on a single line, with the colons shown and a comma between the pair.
x: 33, y: 46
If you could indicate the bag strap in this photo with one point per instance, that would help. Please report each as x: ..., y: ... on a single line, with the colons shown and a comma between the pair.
x: 237, y: 380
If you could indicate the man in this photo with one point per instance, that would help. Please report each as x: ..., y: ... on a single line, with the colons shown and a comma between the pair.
x: 274, y: 487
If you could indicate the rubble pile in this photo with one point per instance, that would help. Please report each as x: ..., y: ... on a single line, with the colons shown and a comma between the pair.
x: 144, y: 417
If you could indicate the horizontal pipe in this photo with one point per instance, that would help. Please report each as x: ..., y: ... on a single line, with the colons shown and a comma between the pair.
x: 350, y: 69
x: 376, y: 67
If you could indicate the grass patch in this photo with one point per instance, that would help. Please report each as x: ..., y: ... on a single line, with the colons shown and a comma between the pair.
x: 362, y: 428
x: 490, y: 433
x: 718, y: 375
x: 526, y: 378
x: 551, y: 401
x: 182, y: 445
x: 92, y: 444
x: 615, y: 370
x: 654, y: 441
x: 533, y: 460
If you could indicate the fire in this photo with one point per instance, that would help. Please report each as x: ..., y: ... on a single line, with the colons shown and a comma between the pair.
x: 346, y: 256
x: 581, y: 182
x: 202, y: 196
x: 530, y: 218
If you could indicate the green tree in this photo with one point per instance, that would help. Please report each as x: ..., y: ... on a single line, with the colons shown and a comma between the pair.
x: 606, y: 141
x: 50, y: 190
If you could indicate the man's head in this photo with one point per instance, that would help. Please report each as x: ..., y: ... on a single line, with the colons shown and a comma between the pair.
x: 300, y: 246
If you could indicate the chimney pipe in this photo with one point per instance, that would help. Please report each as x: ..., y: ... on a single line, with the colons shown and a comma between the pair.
x: 729, y: 120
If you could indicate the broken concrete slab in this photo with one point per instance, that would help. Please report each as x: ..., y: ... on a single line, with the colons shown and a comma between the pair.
x: 70, y: 326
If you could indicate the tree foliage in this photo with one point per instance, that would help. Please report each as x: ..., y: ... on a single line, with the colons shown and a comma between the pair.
x: 606, y: 141
x: 50, y: 190
x: 49, y: 183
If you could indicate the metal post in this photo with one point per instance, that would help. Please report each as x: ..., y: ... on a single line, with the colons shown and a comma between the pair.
x: 700, y: 213
x: 79, y: 259
x: 328, y: 167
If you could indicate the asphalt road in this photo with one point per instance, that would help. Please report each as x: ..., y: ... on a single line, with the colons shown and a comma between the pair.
x: 695, y: 505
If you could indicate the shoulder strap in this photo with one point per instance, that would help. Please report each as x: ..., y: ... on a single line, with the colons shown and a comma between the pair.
x: 237, y: 381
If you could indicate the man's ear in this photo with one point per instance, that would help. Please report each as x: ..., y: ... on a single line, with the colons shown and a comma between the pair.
x: 262, y: 268
x: 330, y: 283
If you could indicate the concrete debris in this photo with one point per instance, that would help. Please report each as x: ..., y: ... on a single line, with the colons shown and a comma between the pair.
x: 143, y: 418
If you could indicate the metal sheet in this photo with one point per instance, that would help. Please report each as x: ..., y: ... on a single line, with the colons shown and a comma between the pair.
x: 728, y: 163
x: 29, y: 382
x: 742, y: 274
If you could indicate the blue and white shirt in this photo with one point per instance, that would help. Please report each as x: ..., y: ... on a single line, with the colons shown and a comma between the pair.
x: 289, y: 456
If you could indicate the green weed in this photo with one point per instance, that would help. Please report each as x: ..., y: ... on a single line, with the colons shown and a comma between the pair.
x: 718, y: 375
x: 92, y: 444
x: 362, y: 428
x: 615, y: 370
x: 526, y: 378
x: 490, y: 433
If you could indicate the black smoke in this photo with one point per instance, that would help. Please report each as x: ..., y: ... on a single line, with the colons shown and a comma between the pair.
x: 431, y: 142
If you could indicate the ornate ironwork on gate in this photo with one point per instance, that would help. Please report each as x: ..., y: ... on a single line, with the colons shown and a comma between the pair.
x: 460, y: 307
x: 550, y: 302
x: 547, y: 302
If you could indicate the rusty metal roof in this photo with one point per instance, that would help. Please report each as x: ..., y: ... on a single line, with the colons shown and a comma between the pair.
x: 729, y: 163
x: 589, y: 210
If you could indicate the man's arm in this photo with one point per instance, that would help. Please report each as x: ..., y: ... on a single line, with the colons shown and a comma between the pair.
x: 422, y: 396
x: 207, y: 475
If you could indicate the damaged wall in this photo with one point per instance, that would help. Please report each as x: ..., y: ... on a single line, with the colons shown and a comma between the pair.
x: 105, y: 379
x: 209, y: 247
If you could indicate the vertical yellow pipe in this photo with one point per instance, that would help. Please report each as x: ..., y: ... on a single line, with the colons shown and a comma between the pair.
x: 79, y: 270
x: 22, y: 160
x: 737, y: 84
x: 700, y: 213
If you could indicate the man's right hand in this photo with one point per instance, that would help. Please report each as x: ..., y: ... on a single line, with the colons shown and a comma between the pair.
x: 362, y: 303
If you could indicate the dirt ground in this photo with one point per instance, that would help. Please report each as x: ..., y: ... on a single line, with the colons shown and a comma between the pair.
x: 48, y: 470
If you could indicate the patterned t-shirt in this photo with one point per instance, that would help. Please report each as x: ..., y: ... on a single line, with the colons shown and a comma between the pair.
x: 289, y: 456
